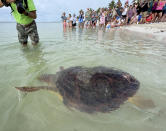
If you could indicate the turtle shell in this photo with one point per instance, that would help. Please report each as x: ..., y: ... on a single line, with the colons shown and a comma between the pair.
x: 98, y: 89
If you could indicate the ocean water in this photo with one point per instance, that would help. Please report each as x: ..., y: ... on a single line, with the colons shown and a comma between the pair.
x: 138, y: 54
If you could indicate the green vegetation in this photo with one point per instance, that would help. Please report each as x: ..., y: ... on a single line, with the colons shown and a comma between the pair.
x: 112, y: 4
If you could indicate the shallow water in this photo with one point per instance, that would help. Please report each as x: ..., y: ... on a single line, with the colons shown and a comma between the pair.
x: 140, y: 55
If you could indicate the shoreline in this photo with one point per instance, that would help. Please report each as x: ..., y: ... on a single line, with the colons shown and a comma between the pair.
x: 155, y: 30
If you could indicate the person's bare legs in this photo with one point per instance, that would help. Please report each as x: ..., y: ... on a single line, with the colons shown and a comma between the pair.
x: 34, y: 44
x: 159, y: 16
x: 154, y: 17
x: 163, y: 19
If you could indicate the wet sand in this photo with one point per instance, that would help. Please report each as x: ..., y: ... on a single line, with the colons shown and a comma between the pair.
x: 157, y: 30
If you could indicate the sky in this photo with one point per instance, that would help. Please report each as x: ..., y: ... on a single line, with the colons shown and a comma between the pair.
x: 51, y: 10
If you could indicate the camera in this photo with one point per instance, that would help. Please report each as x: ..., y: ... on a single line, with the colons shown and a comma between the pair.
x: 20, y: 6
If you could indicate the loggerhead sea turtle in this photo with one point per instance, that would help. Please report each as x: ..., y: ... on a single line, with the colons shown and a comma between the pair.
x: 97, y: 89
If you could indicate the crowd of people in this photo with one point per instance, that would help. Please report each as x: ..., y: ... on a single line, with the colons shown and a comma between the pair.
x: 147, y: 11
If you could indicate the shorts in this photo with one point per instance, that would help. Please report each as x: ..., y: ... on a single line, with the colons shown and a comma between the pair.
x: 123, y: 16
x: 25, y: 31
x: 74, y: 24
x: 153, y: 11
x: 159, y: 11
x: 94, y: 22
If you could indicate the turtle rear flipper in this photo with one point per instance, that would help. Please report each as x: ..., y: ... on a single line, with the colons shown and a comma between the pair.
x: 142, y: 102
x: 32, y: 89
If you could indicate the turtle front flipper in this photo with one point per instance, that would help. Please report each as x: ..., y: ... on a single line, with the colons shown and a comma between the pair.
x: 32, y: 89
x: 142, y: 102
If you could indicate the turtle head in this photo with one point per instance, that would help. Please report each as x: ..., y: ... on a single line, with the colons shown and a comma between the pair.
x: 61, y: 68
x: 48, y: 78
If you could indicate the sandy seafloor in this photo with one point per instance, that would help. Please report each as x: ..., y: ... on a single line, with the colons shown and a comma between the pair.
x: 137, y: 49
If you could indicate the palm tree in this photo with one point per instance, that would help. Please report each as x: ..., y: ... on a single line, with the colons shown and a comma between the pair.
x: 119, y: 3
x: 112, y: 4
x: 98, y: 10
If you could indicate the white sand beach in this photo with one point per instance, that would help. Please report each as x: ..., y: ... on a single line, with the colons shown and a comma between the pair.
x: 155, y: 30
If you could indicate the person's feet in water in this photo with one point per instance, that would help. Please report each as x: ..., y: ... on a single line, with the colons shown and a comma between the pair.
x: 24, y: 44
x: 34, y: 44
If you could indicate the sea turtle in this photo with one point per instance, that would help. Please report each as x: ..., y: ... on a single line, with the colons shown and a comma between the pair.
x: 97, y: 89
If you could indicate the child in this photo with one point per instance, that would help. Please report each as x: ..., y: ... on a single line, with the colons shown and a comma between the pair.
x: 108, y: 26
x: 64, y: 18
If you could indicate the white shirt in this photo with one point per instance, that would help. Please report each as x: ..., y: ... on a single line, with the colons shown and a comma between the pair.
x: 125, y: 11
